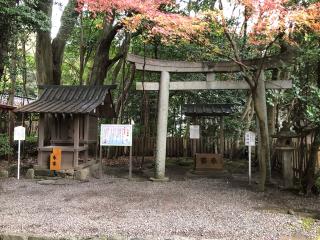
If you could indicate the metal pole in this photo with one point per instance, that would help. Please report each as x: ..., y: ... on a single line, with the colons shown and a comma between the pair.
x: 249, y: 164
x: 130, y: 164
x: 100, y: 159
x: 18, y: 159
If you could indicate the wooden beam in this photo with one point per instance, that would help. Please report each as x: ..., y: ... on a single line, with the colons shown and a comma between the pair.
x: 213, y: 85
x: 41, y: 136
x: 86, y: 136
x: 156, y: 65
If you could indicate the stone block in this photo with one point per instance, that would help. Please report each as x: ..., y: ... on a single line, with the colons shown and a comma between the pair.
x: 47, y: 182
x: 116, y: 237
x: 41, y: 172
x: 69, y: 172
x: 41, y: 238
x: 13, y: 237
x: 30, y: 173
x: 82, y: 174
x: 4, y: 173
x: 95, y: 170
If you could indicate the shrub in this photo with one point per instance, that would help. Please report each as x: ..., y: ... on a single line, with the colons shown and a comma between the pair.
x: 30, y: 146
x: 5, y: 147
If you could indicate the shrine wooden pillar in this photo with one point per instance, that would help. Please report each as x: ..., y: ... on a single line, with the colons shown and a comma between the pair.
x: 76, y: 137
x: 86, y: 136
x: 41, y: 130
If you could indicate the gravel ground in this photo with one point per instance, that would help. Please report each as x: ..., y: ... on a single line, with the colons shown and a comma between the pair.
x: 196, y: 209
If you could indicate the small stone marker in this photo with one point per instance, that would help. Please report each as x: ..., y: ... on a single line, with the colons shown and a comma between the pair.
x: 30, y: 173
x: 4, y: 174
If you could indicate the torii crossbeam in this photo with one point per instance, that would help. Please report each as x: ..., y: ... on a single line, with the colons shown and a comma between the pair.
x: 208, y: 68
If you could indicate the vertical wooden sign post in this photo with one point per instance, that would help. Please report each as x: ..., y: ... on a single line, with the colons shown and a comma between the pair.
x: 194, y: 134
x: 116, y: 135
x: 250, y: 141
x: 19, y: 135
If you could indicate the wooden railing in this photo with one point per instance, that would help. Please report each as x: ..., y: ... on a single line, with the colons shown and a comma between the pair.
x: 300, y: 158
x: 176, y: 146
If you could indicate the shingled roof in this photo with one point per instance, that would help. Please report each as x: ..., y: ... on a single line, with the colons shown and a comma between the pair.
x: 216, y: 109
x: 72, y: 100
x: 6, y: 107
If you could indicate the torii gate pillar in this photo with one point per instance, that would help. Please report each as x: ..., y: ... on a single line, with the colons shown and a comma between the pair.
x: 163, y: 107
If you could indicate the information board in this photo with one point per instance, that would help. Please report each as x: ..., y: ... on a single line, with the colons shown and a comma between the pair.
x: 250, y: 138
x: 194, y: 131
x: 116, y: 135
x: 19, y: 133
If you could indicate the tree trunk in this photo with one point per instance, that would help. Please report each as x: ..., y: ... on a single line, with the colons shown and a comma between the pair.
x: 82, y: 51
x: 13, y: 78
x: 49, y: 55
x: 44, y: 63
x: 68, y: 20
x: 5, y: 26
x: 102, y: 61
x: 259, y: 97
x: 311, y: 165
x: 309, y: 176
x: 271, y: 112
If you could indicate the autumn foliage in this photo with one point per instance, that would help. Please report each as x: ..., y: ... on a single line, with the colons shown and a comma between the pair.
x: 267, y: 19
x: 149, y: 15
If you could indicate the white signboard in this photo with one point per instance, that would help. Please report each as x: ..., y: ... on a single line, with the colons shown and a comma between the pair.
x: 116, y: 135
x: 194, y: 131
x: 19, y: 133
x: 250, y: 138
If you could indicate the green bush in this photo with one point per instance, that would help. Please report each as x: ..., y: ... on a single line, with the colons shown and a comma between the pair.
x: 5, y: 147
x: 31, y: 146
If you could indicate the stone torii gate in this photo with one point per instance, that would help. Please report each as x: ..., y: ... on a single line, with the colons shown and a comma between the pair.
x: 164, y: 86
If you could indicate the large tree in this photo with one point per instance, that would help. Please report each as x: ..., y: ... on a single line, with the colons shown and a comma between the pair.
x: 133, y: 16
x: 49, y: 54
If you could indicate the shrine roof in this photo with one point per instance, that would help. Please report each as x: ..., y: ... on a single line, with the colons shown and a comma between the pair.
x: 73, y: 100
x: 6, y: 107
x: 216, y: 109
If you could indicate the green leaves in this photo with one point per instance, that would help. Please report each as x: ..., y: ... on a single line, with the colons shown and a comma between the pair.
x: 23, y: 15
x: 5, y: 147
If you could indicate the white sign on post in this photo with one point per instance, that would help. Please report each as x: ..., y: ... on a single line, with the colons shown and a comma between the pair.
x: 194, y: 131
x: 250, y: 140
x: 116, y: 135
x: 19, y: 134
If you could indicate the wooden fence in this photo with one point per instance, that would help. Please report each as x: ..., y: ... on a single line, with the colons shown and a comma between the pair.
x: 300, y: 158
x: 176, y: 146
x: 181, y: 147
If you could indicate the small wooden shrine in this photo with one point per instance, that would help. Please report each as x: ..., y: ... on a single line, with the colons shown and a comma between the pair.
x: 209, y: 161
x: 68, y: 122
